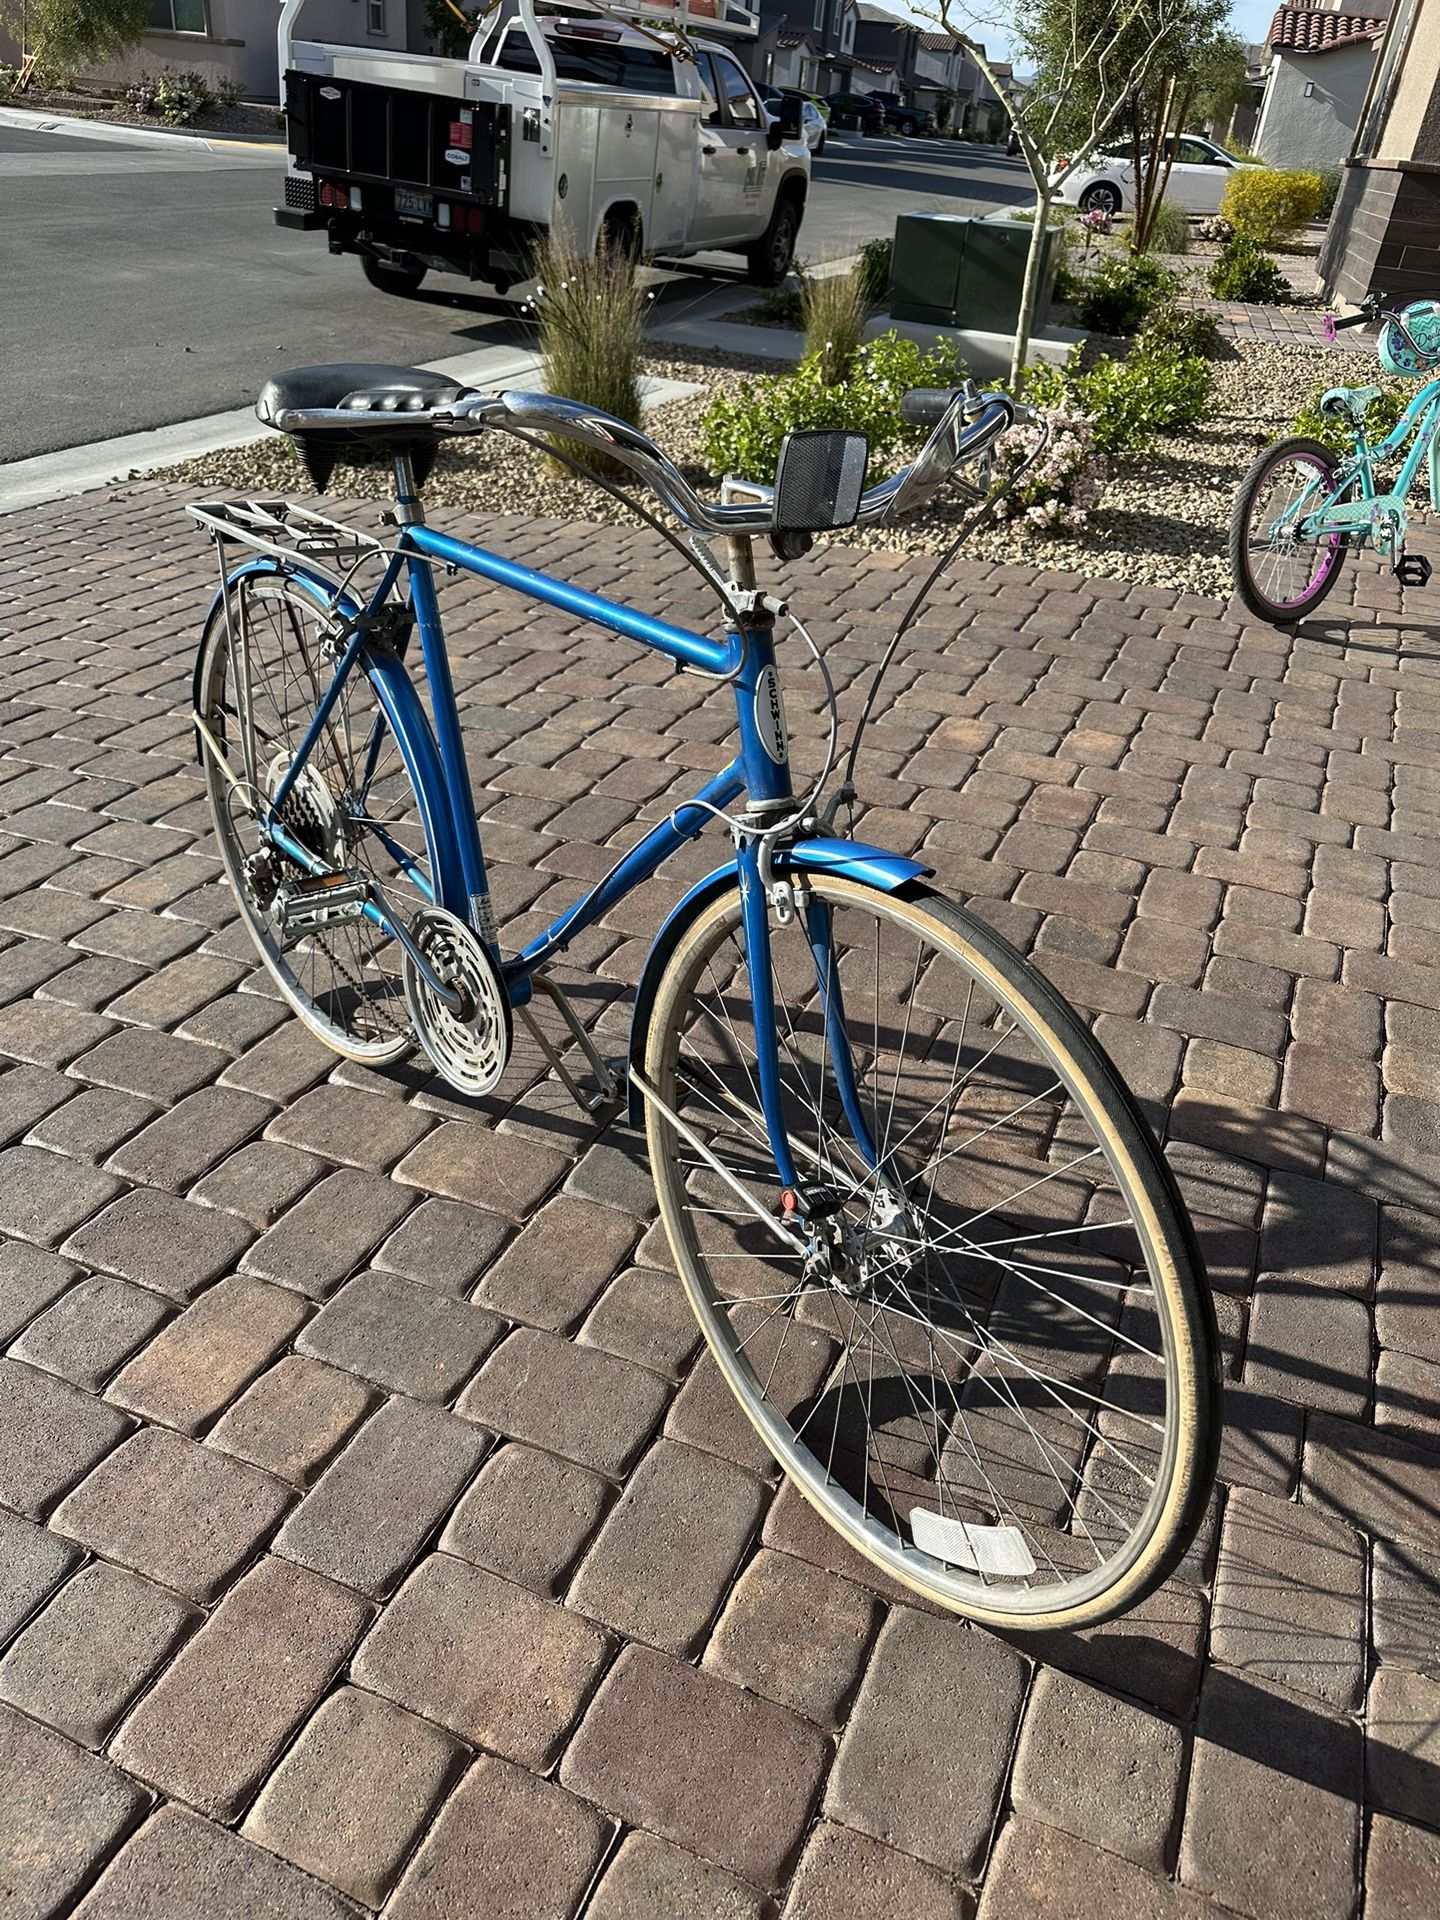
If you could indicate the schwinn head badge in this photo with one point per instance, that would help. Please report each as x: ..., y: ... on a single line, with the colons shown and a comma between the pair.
x: 1422, y: 323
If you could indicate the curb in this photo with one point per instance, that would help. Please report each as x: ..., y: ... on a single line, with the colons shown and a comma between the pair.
x: 48, y: 477
x: 28, y: 120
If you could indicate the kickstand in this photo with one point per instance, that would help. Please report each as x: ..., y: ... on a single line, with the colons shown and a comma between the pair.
x: 607, y: 1082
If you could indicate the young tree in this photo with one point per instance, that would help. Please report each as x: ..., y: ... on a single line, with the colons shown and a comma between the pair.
x: 1090, y: 57
x: 62, y: 36
x: 1198, y: 65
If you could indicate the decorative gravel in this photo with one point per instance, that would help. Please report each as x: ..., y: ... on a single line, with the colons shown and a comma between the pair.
x: 1163, y: 519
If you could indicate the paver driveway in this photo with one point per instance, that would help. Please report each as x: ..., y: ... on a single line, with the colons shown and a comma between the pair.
x: 370, y: 1533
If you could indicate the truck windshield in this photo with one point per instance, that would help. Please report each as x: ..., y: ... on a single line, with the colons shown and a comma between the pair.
x: 602, y: 62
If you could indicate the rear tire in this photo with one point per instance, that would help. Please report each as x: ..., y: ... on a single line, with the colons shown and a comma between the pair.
x: 770, y: 259
x: 391, y: 276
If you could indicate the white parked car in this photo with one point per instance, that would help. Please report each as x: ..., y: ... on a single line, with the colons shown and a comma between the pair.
x: 812, y: 121
x: 1106, y: 182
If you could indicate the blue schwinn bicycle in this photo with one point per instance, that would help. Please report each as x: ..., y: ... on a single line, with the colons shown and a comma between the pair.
x: 930, y: 1240
x: 1301, y: 508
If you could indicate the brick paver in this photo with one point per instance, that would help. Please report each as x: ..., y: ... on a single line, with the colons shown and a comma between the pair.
x: 374, y: 1529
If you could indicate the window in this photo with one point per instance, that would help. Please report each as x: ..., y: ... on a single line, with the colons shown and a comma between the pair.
x: 847, y: 34
x: 820, y: 16
x: 178, y: 16
x: 375, y: 16
x: 710, y: 111
x: 601, y: 62
x: 1195, y: 153
x: 744, y: 110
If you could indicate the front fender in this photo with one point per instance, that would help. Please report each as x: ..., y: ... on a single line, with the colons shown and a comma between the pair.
x: 870, y: 866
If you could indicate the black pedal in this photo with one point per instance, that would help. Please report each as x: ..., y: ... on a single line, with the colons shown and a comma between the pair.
x: 1412, y: 570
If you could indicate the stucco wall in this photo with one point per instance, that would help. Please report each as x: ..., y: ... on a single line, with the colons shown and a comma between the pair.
x: 1317, y: 129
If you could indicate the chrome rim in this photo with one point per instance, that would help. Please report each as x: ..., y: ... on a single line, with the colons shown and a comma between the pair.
x: 971, y: 1366
x: 352, y: 807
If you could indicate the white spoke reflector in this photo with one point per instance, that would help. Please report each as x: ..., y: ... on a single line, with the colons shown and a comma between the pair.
x: 998, y: 1550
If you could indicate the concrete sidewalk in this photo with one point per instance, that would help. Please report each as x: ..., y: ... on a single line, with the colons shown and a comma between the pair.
x: 347, y: 1433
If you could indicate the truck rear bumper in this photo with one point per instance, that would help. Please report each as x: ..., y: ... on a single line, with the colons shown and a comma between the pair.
x: 300, y: 222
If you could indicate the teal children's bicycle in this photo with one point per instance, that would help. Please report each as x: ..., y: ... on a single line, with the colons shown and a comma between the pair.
x: 1301, y: 507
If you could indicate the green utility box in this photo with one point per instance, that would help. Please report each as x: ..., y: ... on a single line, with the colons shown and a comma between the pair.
x: 949, y: 270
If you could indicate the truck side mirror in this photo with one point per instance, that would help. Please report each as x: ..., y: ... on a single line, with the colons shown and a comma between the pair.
x: 787, y: 123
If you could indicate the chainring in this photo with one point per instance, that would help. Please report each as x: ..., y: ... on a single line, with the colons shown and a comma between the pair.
x: 469, y: 1051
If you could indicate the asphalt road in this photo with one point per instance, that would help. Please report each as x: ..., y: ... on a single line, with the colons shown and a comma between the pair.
x: 144, y: 286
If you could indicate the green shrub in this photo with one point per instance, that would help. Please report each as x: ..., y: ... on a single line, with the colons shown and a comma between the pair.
x: 1169, y: 230
x: 229, y: 92
x: 780, y: 306
x: 1329, y: 178
x: 1382, y: 416
x: 1122, y: 291
x: 1244, y: 271
x: 1128, y: 401
x: 742, y: 431
x: 589, y: 314
x: 833, y: 310
x: 1268, y: 204
x: 1181, y: 330
x: 875, y: 257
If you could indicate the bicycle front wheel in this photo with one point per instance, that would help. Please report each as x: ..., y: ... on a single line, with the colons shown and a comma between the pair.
x: 353, y: 808
x: 987, y: 1353
x: 1279, y: 576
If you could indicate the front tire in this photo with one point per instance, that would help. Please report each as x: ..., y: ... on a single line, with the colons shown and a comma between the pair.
x: 1039, y: 1392
x: 1281, y: 579
x: 770, y: 259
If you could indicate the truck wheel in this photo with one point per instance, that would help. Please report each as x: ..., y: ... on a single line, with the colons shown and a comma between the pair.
x: 622, y: 236
x: 392, y: 276
x: 768, y: 261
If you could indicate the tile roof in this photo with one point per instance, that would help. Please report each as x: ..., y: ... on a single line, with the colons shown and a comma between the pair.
x: 1308, y: 30
x: 939, y: 42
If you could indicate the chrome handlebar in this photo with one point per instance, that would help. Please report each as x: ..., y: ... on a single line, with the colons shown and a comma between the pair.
x: 967, y: 428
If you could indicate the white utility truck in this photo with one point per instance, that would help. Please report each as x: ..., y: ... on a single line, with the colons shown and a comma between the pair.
x: 633, y: 122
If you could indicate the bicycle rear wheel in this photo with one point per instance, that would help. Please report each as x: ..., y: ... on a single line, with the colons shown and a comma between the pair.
x: 259, y: 680
x: 992, y: 1364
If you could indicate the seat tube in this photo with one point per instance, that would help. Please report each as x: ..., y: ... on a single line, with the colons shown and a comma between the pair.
x: 424, y: 604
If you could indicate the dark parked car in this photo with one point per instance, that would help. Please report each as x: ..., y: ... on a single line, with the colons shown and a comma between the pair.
x: 903, y: 118
x: 856, y: 109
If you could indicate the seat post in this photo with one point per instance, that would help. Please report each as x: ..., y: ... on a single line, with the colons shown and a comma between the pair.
x: 409, y: 512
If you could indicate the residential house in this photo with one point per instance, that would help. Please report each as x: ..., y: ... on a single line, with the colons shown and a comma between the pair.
x: 1320, y: 61
x: 1384, y: 234
x: 235, y: 40
x: 802, y: 45
x: 885, y: 49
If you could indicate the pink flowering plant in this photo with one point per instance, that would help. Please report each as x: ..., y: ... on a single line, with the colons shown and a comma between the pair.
x: 1059, y: 491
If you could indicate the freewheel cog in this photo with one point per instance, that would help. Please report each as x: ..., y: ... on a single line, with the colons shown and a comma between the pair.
x: 469, y: 1049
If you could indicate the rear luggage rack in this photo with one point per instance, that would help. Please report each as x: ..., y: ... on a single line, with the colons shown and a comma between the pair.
x: 288, y: 531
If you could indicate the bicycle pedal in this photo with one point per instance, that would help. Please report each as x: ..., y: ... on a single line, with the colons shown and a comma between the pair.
x: 320, y: 900
x: 1412, y: 570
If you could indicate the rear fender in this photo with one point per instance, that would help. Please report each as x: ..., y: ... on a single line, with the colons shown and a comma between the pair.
x: 870, y: 866
x: 397, y: 695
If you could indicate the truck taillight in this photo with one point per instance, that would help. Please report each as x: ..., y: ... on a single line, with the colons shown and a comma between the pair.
x: 334, y: 196
x: 474, y: 218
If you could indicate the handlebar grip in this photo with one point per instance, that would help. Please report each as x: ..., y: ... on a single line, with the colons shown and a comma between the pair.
x: 1355, y: 320
x: 926, y: 406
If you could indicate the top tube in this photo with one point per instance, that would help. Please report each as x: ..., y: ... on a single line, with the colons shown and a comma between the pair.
x: 720, y: 658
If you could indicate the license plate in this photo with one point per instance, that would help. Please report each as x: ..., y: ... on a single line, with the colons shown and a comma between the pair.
x: 411, y: 205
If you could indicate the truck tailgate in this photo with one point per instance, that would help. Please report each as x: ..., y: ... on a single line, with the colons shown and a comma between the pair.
x: 397, y: 137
